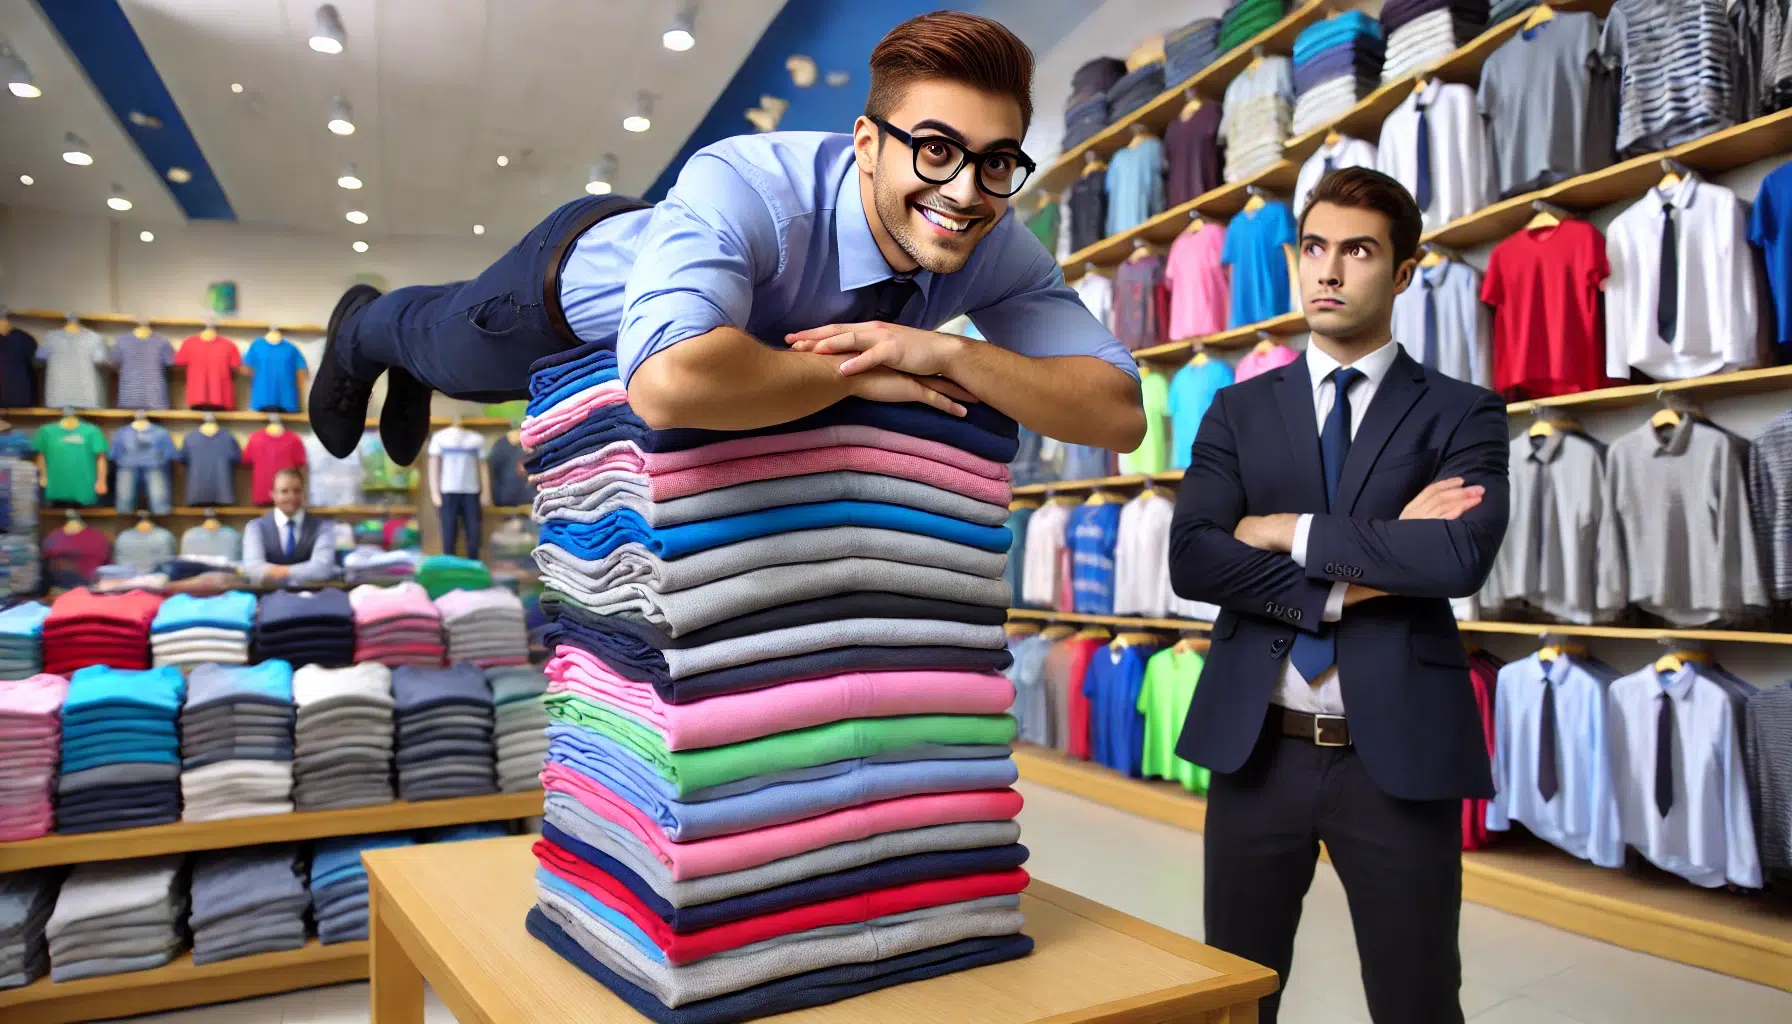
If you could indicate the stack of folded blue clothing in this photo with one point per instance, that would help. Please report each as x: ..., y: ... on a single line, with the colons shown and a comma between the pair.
x: 236, y: 741
x: 120, y: 749
x: 190, y: 630
x: 339, y: 885
x: 1086, y: 113
x: 1135, y: 89
x: 22, y: 640
x: 248, y: 900
x: 306, y: 627
x: 26, y: 898
x: 445, y: 746
x: 1422, y: 32
x: 1336, y: 63
x: 1190, y: 49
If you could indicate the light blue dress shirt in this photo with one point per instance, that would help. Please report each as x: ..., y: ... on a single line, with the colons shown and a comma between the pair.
x: 766, y: 233
x: 1135, y: 184
x: 1582, y: 818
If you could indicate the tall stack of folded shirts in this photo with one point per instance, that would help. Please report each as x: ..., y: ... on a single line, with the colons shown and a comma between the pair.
x: 519, y: 725
x: 441, y: 573
x: 26, y: 899
x: 1421, y: 33
x: 190, y: 630
x: 114, y: 917
x: 397, y: 625
x: 30, y: 747
x: 1336, y: 63
x: 342, y: 744
x: 339, y: 885
x: 1086, y: 112
x: 1136, y: 88
x: 1499, y: 10
x: 485, y: 627
x: 444, y: 728
x: 85, y: 628
x: 22, y: 639
x: 1246, y: 18
x: 237, y: 741
x: 1189, y: 49
x: 775, y: 701
x: 120, y: 749
x: 306, y: 627
x: 246, y: 901
x: 1257, y: 116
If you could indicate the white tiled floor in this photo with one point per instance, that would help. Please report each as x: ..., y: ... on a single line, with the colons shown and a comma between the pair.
x: 1514, y: 971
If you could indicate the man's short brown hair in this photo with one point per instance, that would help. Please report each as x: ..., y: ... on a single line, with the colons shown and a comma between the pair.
x: 291, y: 471
x: 954, y: 46
x: 1363, y: 189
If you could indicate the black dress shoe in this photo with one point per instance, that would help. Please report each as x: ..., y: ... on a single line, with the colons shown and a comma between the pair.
x: 404, y: 418
x: 338, y: 404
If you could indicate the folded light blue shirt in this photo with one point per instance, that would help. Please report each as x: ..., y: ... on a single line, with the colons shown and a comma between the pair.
x: 596, y: 540
x: 100, y: 690
x: 617, y: 920
x: 234, y: 610
x: 25, y: 619
x: 269, y: 682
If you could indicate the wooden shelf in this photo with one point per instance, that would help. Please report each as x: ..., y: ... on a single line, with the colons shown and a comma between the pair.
x: 182, y: 983
x: 1741, y: 382
x: 130, y: 320
x: 510, y: 510
x: 228, y: 511
x: 1210, y: 83
x: 1130, y: 480
x: 188, y: 836
x: 1736, y: 636
x: 1651, y: 912
x: 1135, y: 622
x: 1286, y: 324
x: 293, y: 419
x: 1163, y: 228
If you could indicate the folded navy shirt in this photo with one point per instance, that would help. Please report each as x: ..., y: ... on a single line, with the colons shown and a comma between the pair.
x: 420, y: 689
x: 811, y: 988
x: 863, y: 604
x: 595, y: 541
x: 290, y: 607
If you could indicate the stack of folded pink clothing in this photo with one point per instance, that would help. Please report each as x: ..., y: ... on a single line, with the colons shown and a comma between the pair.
x: 30, y: 748
x: 397, y: 625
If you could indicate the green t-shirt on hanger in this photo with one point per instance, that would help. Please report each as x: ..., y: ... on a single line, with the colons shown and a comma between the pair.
x: 70, y: 454
x: 1153, y: 453
x: 1164, y: 698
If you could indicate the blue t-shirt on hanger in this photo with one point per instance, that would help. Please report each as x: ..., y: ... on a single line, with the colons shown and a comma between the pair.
x: 1191, y: 392
x: 1253, y: 250
x: 276, y: 365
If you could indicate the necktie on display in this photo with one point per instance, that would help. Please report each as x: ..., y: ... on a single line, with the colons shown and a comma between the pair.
x: 1422, y: 150
x: 1667, y: 303
x: 1664, y: 756
x: 1549, y: 780
x: 1315, y: 652
x: 289, y: 538
x: 1428, y: 354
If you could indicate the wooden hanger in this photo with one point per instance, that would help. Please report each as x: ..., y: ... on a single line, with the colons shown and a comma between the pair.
x: 1195, y: 223
x: 1056, y: 631
x: 1266, y: 343
x: 1188, y: 644
x: 1191, y: 105
x: 1547, y: 425
x: 1539, y: 16
x: 1255, y: 203
x: 1125, y: 640
x: 1665, y: 418
x: 1019, y: 503
x: 1200, y: 357
x: 1092, y: 633
x: 1674, y: 661
x: 1103, y: 498
x: 1332, y: 138
x: 1139, y: 134
x: 1550, y: 652
x: 1547, y: 216
x: 1021, y: 628
x: 1140, y: 250
x: 1091, y: 164
x: 1671, y: 176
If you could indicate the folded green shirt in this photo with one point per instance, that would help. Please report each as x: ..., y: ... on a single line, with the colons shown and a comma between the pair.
x: 692, y: 770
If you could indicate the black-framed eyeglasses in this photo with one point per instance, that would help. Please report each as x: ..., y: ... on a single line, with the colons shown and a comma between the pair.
x: 938, y: 159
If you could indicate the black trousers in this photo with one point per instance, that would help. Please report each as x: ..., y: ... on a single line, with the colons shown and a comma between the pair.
x: 1400, y: 862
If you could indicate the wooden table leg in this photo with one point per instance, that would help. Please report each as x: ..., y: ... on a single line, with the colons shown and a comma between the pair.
x: 397, y: 985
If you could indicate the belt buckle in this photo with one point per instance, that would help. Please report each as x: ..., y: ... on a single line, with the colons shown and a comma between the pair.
x: 1319, y: 730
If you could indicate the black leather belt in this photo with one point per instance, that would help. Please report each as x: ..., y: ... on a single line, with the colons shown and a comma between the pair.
x: 550, y: 285
x: 1320, y: 730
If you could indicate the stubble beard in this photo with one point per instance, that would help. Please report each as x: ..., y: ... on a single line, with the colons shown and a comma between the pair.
x: 892, y: 209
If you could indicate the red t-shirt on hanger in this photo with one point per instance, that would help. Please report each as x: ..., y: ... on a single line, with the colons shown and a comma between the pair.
x: 211, y: 369
x: 1548, y: 329
x: 265, y: 455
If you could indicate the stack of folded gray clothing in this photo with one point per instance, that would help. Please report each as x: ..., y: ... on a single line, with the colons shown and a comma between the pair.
x: 117, y: 916
x: 486, y: 627
x: 248, y: 900
x: 236, y: 742
x: 343, y: 741
x: 520, y: 726
x: 25, y: 901
x: 444, y: 723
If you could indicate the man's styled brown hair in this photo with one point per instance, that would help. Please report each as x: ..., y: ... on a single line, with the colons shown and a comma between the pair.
x: 1363, y: 189
x: 955, y: 46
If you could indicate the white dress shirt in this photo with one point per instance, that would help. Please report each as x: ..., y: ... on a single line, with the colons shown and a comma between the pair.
x: 1323, y: 696
x: 320, y: 565
x: 1459, y: 163
x: 1045, y: 538
x: 1348, y: 152
x: 1715, y: 326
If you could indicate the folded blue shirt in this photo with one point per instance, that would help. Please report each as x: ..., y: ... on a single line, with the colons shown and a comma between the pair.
x: 334, y: 860
x: 96, y: 687
x: 235, y: 610
x: 269, y: 682
x: 617, y: 920
x: 118, y: 728
x: 416, y: 690
x: 123, y: 754
x: 25, y: 619
x: 569, y: 366
x: 559, y: 388
x: 1348, y: 25
x: 598, y: 539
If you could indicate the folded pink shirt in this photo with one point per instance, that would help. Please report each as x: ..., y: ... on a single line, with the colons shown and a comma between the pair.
x: 380, y: 604
x: 696, y: 480
x: 37, y: 696
x: 567, y: 414
x: 742, y: 850
x: 735, y: 717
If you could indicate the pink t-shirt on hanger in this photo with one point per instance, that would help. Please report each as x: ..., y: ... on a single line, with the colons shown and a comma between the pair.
x: 1258, y: 362
x: 1199, y: 292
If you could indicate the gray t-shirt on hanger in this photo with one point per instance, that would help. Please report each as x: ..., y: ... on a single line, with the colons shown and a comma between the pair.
x: 1549, y: 104
x: 141, y: 550
x: 211, y: 467
x: 72, y: 361
x: 224, y: 542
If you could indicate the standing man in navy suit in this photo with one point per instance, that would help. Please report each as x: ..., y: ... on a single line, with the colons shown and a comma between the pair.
x: 1331, y: 509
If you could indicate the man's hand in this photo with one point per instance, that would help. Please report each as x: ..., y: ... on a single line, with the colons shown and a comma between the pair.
x: 908, y: 349
x: 1443, y: 499
x: 884, y: 385
x: 1268, y: 533
x: 277, y: 573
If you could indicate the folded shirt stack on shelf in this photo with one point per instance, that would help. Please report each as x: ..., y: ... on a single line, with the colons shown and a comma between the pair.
x: 1257, y: 116
x: 1134, y: 89
x: 113, y: 917
x: 247, y: 901
x: 306, y: 627
x: 237, y: 741
x: 339, y: 885
x: 441, y: 573
x: 26, y: 899
x: 190, y: 630
x: 1086, y: 112
x: 22, y: 639
x: 120, y: 750
x: 1421, y: 33
x: 85, y: 628
x: 342, y: 742
x: 1190, y: 49
x: 30, y: 749
x: 444, y: 731
x: 397, y: 625
x: 1336, y: 63
x: 520, y: 723
x: 485, y: 627
x: 745, y: 786
x: 1245, y: 18
x: 370, y: 563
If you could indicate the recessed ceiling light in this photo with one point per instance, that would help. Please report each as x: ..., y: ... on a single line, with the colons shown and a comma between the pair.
x: 503, y: 161
x: 349, y: 178
x: 681, y: 36
x: 26, y: 179
x: 641, y: 118
x: 146, y: 236
x: 76, y: 153
x: 117, y: 200
x: 142, y: 120
x: 360, y: 247
x: 479, y: 229
x: 342, y: 119
x: 355, y: 217
x: 236, y: 87
x: 603, y: 176
x: 179, y: 175
x: 328, y: 36
x: 18, y: 76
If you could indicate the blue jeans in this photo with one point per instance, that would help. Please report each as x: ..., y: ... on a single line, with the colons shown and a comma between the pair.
x: 154, y: 485
x: 460, y: 511
x: 475, y: 339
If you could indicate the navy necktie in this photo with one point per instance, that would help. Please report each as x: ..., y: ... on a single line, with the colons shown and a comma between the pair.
x: 289, y: 538
x: 1549, y: 780
x: 1422, y: 194
x: 1315, y: 652
x: 889, y: 297
x: 1327, y: 168
x: 1428, y: 354
x: 1664, y: 755
x: 1667, y: 303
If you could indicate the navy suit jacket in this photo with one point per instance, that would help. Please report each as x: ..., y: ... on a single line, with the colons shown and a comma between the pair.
x: 1401, y: 663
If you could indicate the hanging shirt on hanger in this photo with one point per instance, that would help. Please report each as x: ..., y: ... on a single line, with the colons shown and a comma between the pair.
x: 1111, y: 685
x: 1191, y: 392
x: 1770, y: 228
x: 1152, y: 454
x: 1674, y: 63
x: 1091, y: 536
x: 1441, y: 322
x: 1032, y: 700
x: 1135, y: 184
x: 1199, y: 292
x: 1191, y: 149
x: 1346, y: 152
x: 1767, y: 751
x: 1045, y: 538
x: 1770, y: 500
x: 276, y: 365
x: 1164, y: 696
x: 1434, y: 144
x: 72, y: 361
x: 1258, y: 362
x: 1548, y: 334
x: 1558, y: 555
x: 142, y: 370
x: 211, y: 368
x: 1253, y: 249
x: 1017, y: 555
x: 1142, y: 555
x: 1550, y: 105
x: 1136, y: 284
x: 1088, y: 210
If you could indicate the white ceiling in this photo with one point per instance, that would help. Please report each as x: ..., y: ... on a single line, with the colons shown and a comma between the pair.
x: 439, y: 89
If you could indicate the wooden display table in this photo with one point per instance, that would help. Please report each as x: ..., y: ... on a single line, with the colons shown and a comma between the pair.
x: 452, y: 914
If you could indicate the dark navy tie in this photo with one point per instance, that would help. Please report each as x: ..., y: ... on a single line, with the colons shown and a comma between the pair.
x: 1422, y: 194
x: 289, y: 538
x: 1428, y: 354
x: 1667, y: 301
x: 1664, y: 755
x: 1315, y: 652
x: 889, y: 297
x: 1549, y: 780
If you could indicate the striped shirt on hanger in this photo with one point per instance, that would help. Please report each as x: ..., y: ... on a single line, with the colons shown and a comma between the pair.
x: 1674, y: 60
x: 1770, y: 502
